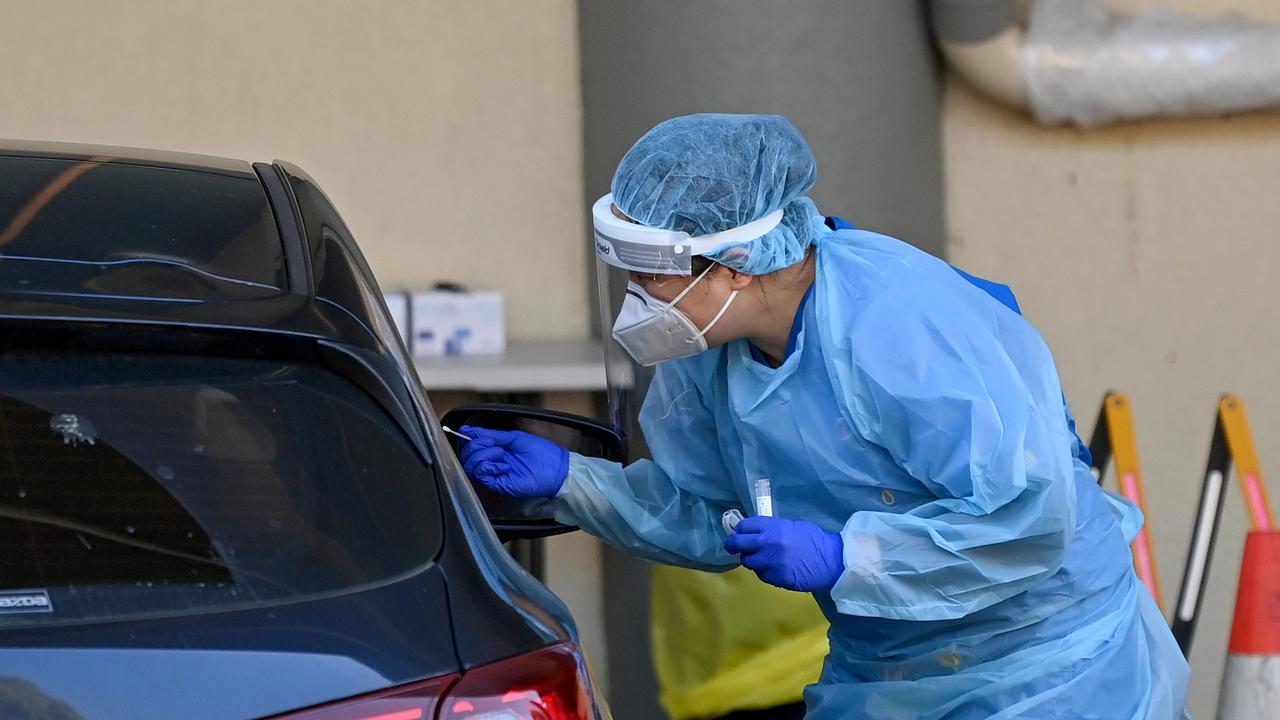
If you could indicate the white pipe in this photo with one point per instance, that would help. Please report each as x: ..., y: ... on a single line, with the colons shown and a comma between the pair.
x: 1080, y: 63
x: 992, y: 66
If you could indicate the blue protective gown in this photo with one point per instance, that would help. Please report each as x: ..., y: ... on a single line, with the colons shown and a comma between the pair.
x: 986, y: 573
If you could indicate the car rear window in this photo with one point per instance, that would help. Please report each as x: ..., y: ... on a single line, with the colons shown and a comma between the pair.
x: 153, y: 484
x: 105, y: 228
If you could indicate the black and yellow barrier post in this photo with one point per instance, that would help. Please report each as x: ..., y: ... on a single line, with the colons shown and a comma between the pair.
x: 1232, y: 441
x: 1114, y: 438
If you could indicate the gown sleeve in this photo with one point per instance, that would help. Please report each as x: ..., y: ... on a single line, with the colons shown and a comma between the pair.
x: 666, y: 510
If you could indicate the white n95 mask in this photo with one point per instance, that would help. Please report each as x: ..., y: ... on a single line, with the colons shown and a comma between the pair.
x: 651, y: 330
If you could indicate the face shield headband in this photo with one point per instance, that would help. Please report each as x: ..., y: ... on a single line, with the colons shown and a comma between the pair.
x: 643, y: 249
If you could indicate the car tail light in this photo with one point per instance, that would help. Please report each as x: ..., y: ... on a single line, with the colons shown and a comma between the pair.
x: 416, y: 701
x: 547, y: 684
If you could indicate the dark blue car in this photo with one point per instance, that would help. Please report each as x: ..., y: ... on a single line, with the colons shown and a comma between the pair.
x: 222, y: 491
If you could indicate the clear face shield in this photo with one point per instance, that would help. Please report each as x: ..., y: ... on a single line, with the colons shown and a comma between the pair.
x: 627, y: 381
x: 640, y: 331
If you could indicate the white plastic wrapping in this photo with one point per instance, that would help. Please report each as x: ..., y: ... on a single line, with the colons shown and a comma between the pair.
x: 1085, y: 65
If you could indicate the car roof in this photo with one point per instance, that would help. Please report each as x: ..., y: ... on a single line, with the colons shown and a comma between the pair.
x: 138, y: 156
x: 307, y: 301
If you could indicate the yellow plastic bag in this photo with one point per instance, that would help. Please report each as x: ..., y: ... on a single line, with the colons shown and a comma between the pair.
x: 727, y: 641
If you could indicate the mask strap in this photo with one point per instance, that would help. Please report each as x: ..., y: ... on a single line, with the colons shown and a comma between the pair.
x: 723, y: 309
x: 689, y: 287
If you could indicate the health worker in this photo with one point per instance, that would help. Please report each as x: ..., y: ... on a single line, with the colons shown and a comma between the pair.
x: 925, y: 482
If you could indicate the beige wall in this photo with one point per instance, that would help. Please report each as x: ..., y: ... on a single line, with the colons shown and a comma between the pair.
x: 448, y: 132
x: 1148, y: 255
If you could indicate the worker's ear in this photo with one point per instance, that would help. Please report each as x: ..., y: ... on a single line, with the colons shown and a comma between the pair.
x: 739, y: 280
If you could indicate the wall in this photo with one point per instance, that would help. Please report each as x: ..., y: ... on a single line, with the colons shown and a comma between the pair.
x: 1147, y: 256
x: 448, y: 133
x: 858, y: 79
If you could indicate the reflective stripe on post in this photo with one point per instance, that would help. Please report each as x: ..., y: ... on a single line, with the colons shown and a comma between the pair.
x: 1114, y: 437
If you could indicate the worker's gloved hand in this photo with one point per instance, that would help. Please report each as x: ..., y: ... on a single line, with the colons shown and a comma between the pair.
x: 791, y: 554
x: 514, y: 463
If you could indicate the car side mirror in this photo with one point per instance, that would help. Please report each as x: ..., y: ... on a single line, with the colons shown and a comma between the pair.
x: 523, y: 518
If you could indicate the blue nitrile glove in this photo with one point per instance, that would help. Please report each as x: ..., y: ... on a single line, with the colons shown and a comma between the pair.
x: 514, y: 463
x: 791, y: 554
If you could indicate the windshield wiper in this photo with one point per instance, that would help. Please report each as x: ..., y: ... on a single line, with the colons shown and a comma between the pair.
x: 17, y: 513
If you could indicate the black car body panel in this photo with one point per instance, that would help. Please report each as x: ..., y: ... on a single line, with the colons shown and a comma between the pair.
x: 470, y: 605
x: 108, y: 229
x: 244, y: 663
